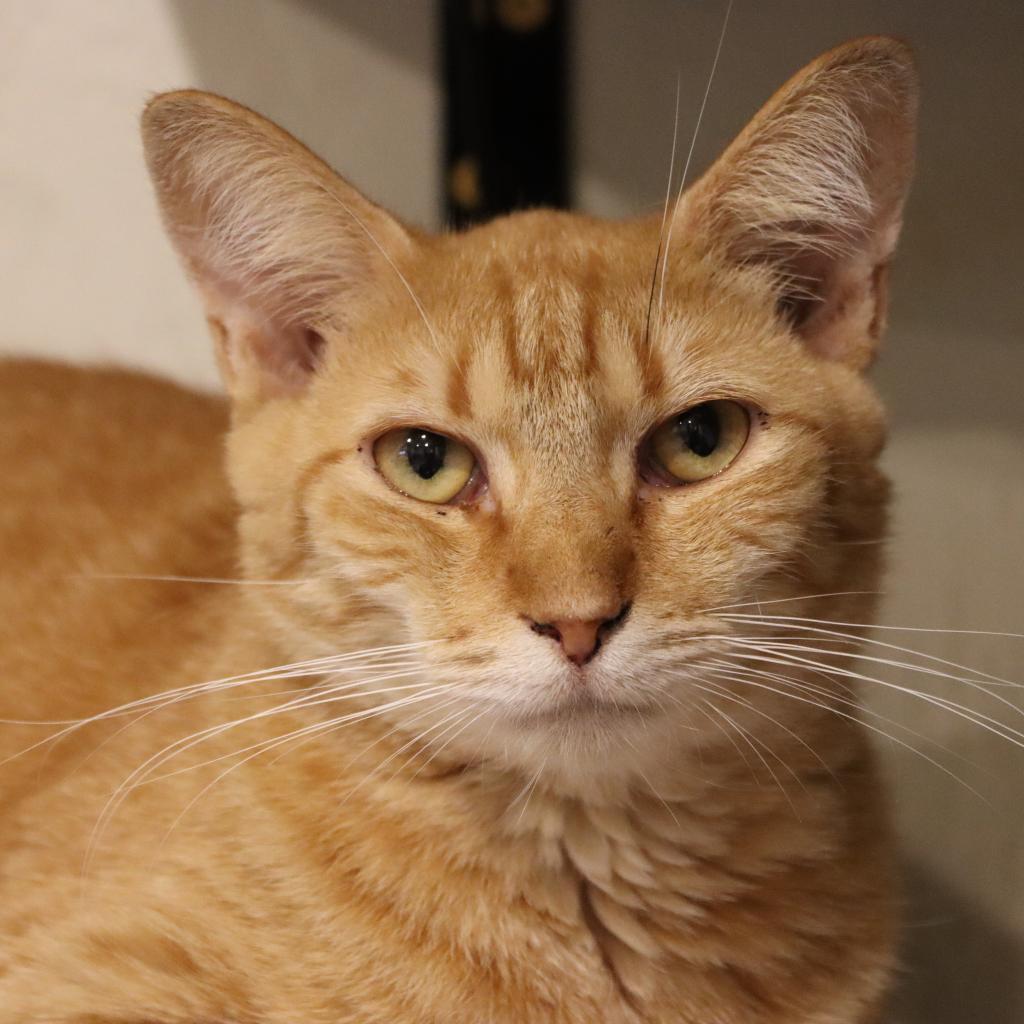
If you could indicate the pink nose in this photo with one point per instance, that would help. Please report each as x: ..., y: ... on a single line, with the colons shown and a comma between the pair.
x: 580, y: 639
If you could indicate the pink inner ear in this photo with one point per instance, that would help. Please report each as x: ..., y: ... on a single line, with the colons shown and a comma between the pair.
x: 838, y: 304
x: 261, y: 358
x: 831, y: 278
x: 280, y: 359
x: 845, y: 322
x: 806, y: 274
x: 313, y: 346
x: 265, y: 345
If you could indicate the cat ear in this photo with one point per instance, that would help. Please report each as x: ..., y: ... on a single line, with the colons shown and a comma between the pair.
x: 278, y: 245
x: 813, y: 190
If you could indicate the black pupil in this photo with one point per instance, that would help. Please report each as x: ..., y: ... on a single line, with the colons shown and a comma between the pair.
x: 699, y: 430
x: 425, y: 452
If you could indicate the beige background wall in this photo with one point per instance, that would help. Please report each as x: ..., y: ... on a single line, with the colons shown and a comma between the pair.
x: 85, y: 274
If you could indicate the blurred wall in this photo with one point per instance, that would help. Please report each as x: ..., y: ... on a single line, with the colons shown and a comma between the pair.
x: 85, y: 271
x: 85, y: 274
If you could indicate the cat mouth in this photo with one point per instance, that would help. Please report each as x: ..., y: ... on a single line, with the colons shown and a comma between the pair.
x: 589, y: 709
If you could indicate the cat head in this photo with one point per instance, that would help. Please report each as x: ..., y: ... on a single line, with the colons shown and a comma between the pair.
x: 552, y: 449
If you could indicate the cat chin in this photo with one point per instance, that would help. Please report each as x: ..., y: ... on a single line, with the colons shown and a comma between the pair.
x: 583, y: 749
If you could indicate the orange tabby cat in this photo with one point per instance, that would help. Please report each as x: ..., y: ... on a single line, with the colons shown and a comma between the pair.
x: 481, y: 739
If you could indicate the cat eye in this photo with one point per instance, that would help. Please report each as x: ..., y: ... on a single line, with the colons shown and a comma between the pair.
x: 423, y: 464
x: 698, y: 443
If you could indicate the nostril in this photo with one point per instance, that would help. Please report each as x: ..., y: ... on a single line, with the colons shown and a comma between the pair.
x: 610, y: 625
x: 581, y: 639
x: 546, y: 629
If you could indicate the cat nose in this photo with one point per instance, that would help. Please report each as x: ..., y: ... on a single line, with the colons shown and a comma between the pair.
x: 581, y: 639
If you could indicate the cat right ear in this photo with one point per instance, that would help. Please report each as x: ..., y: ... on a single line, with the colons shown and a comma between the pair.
x: 280, y: 248
x: 812, y: 191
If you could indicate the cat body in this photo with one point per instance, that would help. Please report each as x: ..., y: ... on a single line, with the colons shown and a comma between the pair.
x: 514, y: 763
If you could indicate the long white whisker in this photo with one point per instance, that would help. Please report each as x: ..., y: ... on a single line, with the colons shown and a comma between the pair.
x: 783, y: 644
x: 664, y: 803
x: 709, y: 687
x: 729, y: 736
x: 268, y: 745
x: 312, y: 698
x: 314, y: 688
x: 785, y: 600
x: 829, y: 696
x: 394, y: 266
x: 417, y: 737
x: 763, y: 714
x: 463, y: 723
x: 664, y: 214
x: 749, y: 740
x: 689, y: 155
x: 187, y: 743
x: 802, y: 625
x: 353, y: 716
x: 777, y: 656
x: 873, y: 625
x: 315, y: 666
x: 215, y: 580
x: 867, y: 725
x: 527, y: 792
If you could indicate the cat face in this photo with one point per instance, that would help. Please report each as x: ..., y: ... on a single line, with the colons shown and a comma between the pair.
x: 552, y: 448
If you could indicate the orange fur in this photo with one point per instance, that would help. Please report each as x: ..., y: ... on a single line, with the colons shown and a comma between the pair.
x: 531, y: 843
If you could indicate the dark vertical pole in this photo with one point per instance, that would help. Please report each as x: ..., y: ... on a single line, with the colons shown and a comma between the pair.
x: 506, y: 106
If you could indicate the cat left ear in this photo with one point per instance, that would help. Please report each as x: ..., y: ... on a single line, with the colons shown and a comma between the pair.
x: 282, y: 250
x: 813, y: 191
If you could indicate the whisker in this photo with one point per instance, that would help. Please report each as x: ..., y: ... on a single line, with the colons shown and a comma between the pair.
x: 215, y: 580
x: 785, y: 600
x: 664, y: 803
x: 908, y: 666
x: 871, y: 625
x: 782, y: 643
x: 418, y: 737
x: 180, y: 746
x: 527, y: 792
x: 463, y: 723
x: 310, y: 689
x: 166, y: 698
x: 391, y: 263
x: 749, y: 740
x: 867, y: 725
x: 718, y: 691
x: 689, y: 155
x: 267, y: 745
x: 353, y: 716
x: 310, y: 698
x: 731, y: 738
x: 664, y: 215
x: 974, y: 684
x: 763, y: 714
x: 829, y: 696
x: 775, y: 654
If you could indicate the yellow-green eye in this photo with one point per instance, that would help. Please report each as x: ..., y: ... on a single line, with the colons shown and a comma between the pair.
x: 424, y: 465
x: 700, y: 442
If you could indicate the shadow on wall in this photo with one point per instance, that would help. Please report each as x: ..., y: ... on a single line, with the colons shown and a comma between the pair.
x: 958, y: 965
